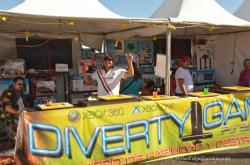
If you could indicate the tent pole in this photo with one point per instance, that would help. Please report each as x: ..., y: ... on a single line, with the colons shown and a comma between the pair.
x: 168, y: 59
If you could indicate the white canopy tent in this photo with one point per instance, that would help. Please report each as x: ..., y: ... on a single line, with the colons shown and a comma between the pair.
x: 85, y: 21
x: 197, y: 11
x: 65, y: 8
x: 243, y: 11
x: 236, y: 46
x: 208, y: 18
x: 81, y: 17
x: 62, y: 18
x: 240, y: 47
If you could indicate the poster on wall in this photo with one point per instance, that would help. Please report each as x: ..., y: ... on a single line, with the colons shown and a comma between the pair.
x: 146, y: 69
x: 114, y: 46
x: 10, y: 68
x: 87, y: 53
x: 120, y: 61
x: 99, y: 59
x: 89, y: 64
x: 130, y: 46
x: 145, y: 47
x: 145, y: 59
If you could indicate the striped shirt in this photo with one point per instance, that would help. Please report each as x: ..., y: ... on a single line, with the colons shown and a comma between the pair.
x: 108, y: 83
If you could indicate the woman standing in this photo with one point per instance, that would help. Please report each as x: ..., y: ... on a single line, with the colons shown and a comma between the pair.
x: 132, y: 85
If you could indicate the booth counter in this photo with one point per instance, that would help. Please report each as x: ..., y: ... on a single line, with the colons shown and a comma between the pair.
x: 124, y: 132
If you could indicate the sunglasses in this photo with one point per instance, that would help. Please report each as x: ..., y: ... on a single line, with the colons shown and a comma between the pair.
x: 20, y: 84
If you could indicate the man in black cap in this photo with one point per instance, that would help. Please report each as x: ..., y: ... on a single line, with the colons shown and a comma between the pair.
x: 109, y: 77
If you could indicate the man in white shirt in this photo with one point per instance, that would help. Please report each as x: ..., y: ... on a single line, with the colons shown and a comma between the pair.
x: 109, y: 77
x: 183, y: 78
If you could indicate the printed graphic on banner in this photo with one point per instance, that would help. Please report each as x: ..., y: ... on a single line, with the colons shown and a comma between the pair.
x: 134, y: 132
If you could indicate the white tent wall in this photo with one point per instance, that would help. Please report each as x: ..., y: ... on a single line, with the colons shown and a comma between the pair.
x: 224, y: 56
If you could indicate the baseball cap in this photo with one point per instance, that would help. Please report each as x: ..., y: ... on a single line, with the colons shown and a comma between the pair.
x: 108, y: 57
x: 185, y: 58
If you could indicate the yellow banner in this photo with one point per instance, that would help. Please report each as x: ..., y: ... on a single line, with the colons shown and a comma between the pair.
x: 134, y: 132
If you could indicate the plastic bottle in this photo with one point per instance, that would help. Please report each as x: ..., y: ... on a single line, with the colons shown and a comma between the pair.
x: 155, y: 93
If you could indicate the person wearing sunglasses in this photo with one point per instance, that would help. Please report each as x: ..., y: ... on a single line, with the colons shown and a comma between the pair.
x: 12, y: 103
x: 108, y: 77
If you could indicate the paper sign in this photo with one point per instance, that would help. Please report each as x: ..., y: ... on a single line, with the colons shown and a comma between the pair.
x: 62, y: 68
x: 160, y: 65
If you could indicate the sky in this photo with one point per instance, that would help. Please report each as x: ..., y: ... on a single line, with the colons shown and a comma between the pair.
x: 133, y: 8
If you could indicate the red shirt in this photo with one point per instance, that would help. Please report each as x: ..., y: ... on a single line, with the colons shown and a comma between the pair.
x: 244, y: 78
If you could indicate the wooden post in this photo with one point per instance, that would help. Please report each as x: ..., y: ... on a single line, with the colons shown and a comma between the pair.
x: 168, y: 61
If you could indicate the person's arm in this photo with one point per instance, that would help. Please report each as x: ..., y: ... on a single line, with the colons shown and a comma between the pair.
x: 88, y: 80
x: 130, y: 71
x: 182, y: 86
x: 12, y: 110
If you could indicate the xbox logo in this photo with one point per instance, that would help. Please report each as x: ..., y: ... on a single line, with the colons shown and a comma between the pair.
x: 74, y: 116
x: 136, y: 110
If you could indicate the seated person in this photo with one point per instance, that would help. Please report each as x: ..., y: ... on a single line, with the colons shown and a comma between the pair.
x: 148, y: 88
x: 132, y: 85
x: 244, y: 79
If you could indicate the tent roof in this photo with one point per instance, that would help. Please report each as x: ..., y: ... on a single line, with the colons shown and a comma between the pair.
x: 53, y: 17
x: 243, y: 11
x: 199, y: 11
x: 65, y: 8
x: 98, y: 26
x: 91, y: 30
x: 88, y: 16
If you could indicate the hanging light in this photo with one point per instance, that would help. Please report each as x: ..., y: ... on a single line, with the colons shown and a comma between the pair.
x: 71, y: 23
x: 4, y: 19
x: 211, y: 28
x: 76, y: 38
x: 154, y: 38
x: 172, y: 27
x: 26, y: 35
